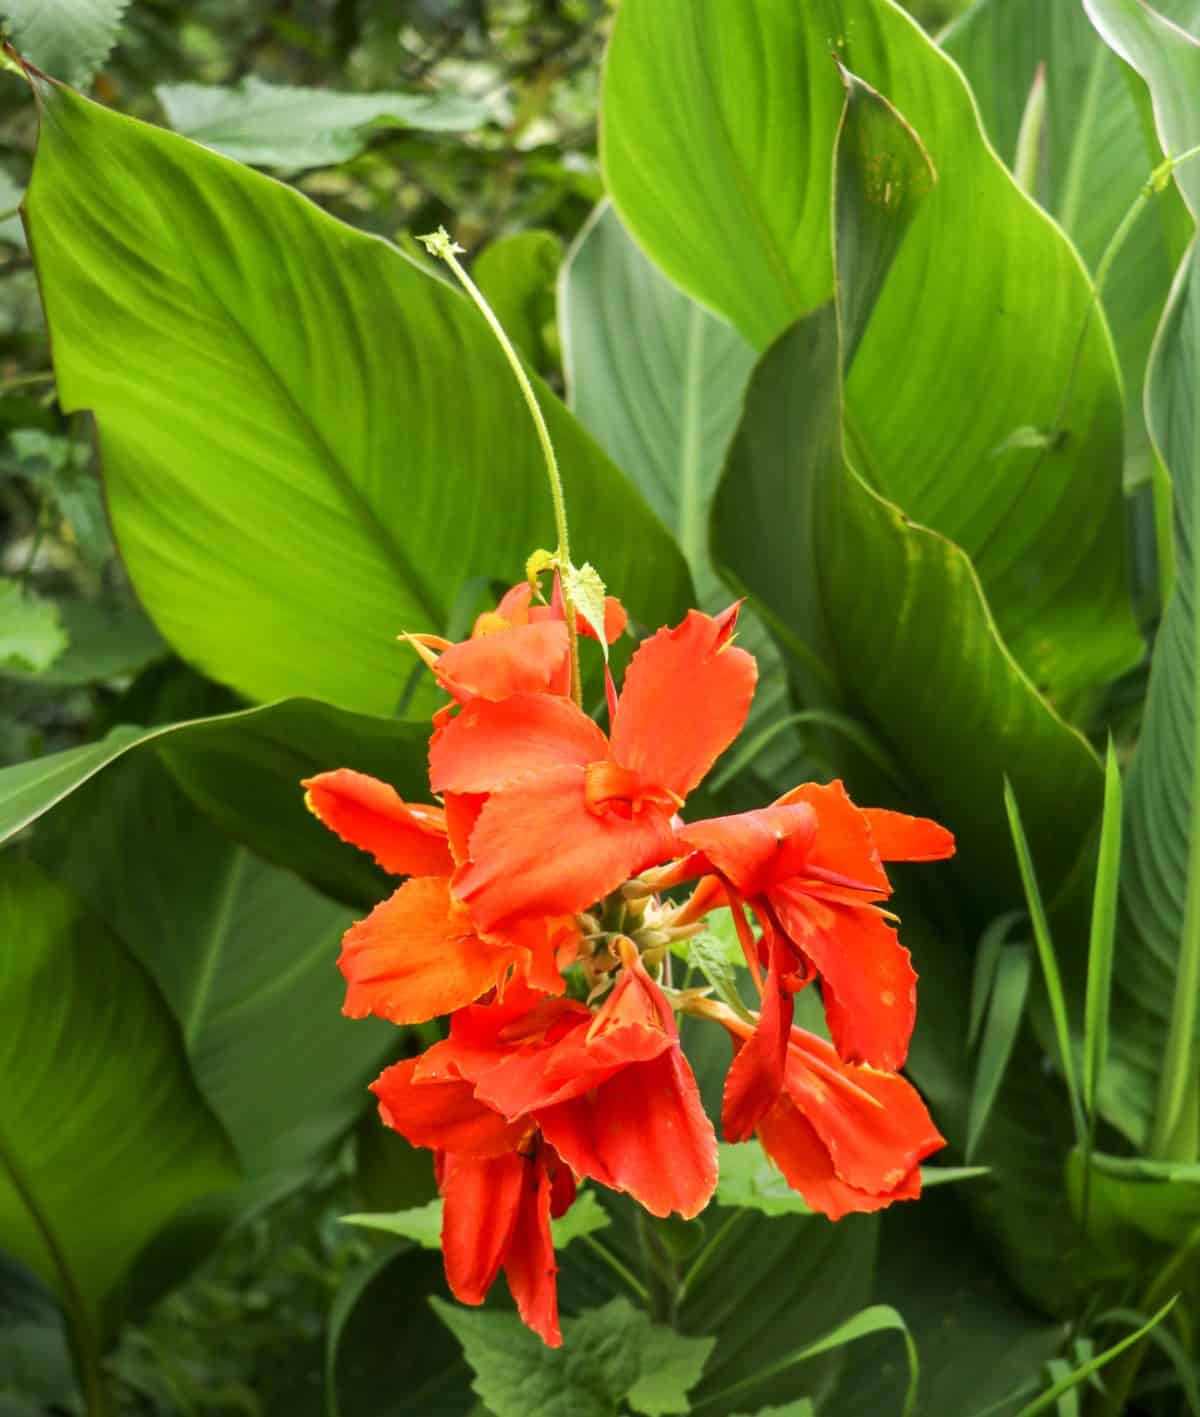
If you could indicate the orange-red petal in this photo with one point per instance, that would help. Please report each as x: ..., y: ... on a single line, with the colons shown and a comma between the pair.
x: 483, y: 1199
x: 443, y: 1115
x: 417, y: 955
x: 406, y: 840
x: 644, y: 1131
x: 755, y: 1077
x: 529, y: 1263
x: 490, y: 744
x: 519, y: 659
x: 755, y: 849
x: 538, y: 850
x: 868, y: 984
x: 899, y: 837
x: 844, y: 843
x: 686, y: 695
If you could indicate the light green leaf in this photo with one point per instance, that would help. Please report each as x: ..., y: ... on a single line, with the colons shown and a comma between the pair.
x: 69, y: 39
x: 609, y: 1355
x: 800, y: 1408
x: 750, y: 1181
x: 11, y: 229
x: 423, y: 1224
x: 375, y: 461
x: 717, y: 962
x: 1135, y: 1205
x: 744, y: 227
x: 240, y: 951
x: 31, y: 632
x: 105, y: 640
x: 289, y: 127
x: 244, y: 770
x: 516, y: 274
x: 84, y: 1187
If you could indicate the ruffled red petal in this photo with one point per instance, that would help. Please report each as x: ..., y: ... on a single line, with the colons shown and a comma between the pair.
x: 483, y: 1202
x: 844, y: 844
x: 873, y: 1124
x: 417, y: 955
x: 901, y: 838
x: 755, y: 1077
x: 443, y: 1115
x: 369, y: 814
x: 868, y: 984
x: 524, y: 659
x: 537, y: 849
x: 754, y: 850
x: 491, y: 744
x: 686, y: 695
x: 529, y: 1263
x: 644, y: 1131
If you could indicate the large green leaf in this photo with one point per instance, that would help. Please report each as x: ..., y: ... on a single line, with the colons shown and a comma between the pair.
x: 310, y: 443
x: 103, y: 1134
x: 289, y: 127
x: 912, y: 646
x: 245, y: 955
x: 983, y: 402
x: 244, y: 769
x: 1158, y: 951
x: 1095, y: 155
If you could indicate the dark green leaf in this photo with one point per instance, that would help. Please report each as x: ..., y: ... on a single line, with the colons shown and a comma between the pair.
x: 1005, y: 1012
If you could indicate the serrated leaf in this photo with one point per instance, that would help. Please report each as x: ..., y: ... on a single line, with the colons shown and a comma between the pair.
x: 31, y: 632
x: 711, y: 956
x: 289, y: 127
x: 609, y: 1355
x: 586, y: 590
x: 68, y: 39
x: 423, y: 1223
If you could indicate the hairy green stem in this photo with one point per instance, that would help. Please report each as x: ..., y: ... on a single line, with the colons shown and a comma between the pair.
x: 439, y: 244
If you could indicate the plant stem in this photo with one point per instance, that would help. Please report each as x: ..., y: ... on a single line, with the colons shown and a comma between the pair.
x: 21, y: 381
x: 618, y: 1267
x: 662, y: 1280
x: 439, y: 244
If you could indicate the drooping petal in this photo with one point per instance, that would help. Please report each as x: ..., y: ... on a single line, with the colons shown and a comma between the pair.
x: 901, y: 838
x: 753, y: 850
x: 686, y: 695
x: 644, y: 1131
x: 756, y: 1075
x: 868, y: 983
x: 529, y: 1263
x: 843, y: 844
x: 491, y: 744
x: 483, y: 1200
x: 549, y: 944
x: 523, y: 659
x: 442, y: 1115
x: 538, y: 850
x: 406, y: 840
x: 793, y: 1145
x: 417, y: 955
x: 873, y: 1124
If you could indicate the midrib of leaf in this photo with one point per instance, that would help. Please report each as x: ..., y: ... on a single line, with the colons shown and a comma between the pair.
x: 691, y: 495
x: 84, y: 1342
x: 282, y: 981
x: 1072, y: 196
x: 222, y: 914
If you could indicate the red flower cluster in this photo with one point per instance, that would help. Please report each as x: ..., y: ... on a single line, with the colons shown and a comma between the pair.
x: 536, y: 885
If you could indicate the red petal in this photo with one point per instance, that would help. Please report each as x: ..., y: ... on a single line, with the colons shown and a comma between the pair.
x: 490, y: 744
x: 483, y: 1199
x: 645, y: 1132
x: 538, y: 850
x: 685, y: 698
x: 755, y: 849
x: 417, y: 955
x: 843, y: 843
x: 529, y: 1264
x: 901, y: 838
x: 367, y: 813
x: 462, y: 812
x: 873, y: 1124
x: 442, y: 1115
x: 755, y: 1077
x: 792, y: 1144
x: 867, y: 980
x: 521, y: 659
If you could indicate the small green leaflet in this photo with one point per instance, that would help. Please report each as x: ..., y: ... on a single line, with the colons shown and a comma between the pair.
x: 31, y: 632
x: 710, y: 954
x: 586, y: 591
x: 423, y: 1223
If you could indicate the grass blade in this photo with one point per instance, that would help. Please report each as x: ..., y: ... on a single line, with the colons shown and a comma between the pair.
x: 1103, y: 936
x: 1004, y: 1017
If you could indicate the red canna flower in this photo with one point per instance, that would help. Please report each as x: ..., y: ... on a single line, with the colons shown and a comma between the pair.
x: 847, y: 1137
x: 570, y: 814
x: 501, y: 1184
x: 418, y: 954
x: 611, y: 1091
x: 810, y: 868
